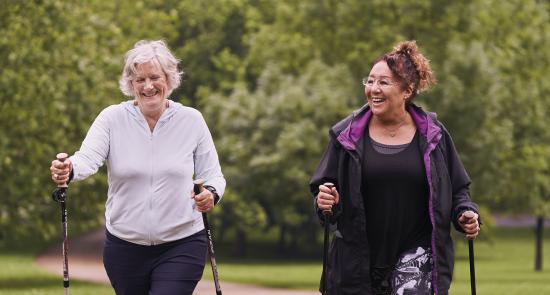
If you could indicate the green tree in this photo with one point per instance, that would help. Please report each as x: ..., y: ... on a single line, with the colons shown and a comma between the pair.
x: 59, y: 70
x: 47, y: 71
x: 271, y: 76
x: 495, y: 76
x: 270, y: 140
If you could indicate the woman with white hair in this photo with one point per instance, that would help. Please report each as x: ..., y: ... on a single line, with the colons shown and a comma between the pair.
x: 155, y: 241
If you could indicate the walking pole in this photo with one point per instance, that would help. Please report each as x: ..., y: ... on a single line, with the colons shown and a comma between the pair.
x: 326, y: 215
x: 472, y: 268
x: 60, y: 196
x: 197, y: 185
x: 469, y: 215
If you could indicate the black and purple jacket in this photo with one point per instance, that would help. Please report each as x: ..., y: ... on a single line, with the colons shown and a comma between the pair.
x: 348, y: 263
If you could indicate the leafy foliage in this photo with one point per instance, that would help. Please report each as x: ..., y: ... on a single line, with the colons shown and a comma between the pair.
x: 269, y: 139
x: 271, y: 77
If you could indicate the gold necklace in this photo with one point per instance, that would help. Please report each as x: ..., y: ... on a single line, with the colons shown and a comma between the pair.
x: 393, y: 132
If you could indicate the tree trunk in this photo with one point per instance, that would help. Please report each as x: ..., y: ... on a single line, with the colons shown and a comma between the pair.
x: 239, y: 247
x: 282, y: 239
x: 538, y: 244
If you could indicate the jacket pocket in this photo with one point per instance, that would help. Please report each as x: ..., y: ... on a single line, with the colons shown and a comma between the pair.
x: 344, y: 268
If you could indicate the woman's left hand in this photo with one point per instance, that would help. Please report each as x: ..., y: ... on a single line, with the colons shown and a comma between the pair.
x: 470, y: 225
x: 204, y: 201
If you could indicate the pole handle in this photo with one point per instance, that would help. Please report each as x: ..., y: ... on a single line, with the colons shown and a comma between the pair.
x: 61, y: 157
x: 197, y: 186
x: 330, y: 185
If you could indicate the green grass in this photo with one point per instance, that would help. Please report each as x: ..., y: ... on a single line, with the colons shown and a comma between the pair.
x: 288, y: 275
x: 20, y: 276
x: 506, y: 266
x: 503, y: 267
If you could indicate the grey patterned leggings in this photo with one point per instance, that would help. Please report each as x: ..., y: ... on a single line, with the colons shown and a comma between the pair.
x: 412, y: 275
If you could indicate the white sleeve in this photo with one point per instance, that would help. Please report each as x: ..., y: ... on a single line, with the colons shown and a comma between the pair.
x: 207, y: 165
x: 94, y: 149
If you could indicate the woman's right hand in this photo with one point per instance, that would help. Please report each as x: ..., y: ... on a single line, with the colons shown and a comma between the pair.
x: 326, y: 198
x: 61, y: 171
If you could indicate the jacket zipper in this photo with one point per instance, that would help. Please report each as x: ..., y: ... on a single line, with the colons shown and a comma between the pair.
x: 151, y: 181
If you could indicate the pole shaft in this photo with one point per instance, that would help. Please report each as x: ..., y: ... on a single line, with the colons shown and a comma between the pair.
x: 472, y: 267
x: 326, y: 214
x: 325, y: 254
x: 65, y: 245
x: 211, y: 254
x: 197, y: 184
x: 60, y: 196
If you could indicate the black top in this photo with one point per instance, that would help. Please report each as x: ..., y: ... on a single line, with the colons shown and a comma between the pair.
x: 395, y: 192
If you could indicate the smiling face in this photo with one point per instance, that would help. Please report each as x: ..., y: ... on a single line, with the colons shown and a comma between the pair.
x: 150, y: 87
x: 384, y: 92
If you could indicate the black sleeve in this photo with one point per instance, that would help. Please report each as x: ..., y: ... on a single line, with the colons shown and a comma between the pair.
x: 327, y: 171
x: 460, y: 182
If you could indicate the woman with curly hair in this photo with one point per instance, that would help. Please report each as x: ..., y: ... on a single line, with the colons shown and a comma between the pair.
x: 398, y: 185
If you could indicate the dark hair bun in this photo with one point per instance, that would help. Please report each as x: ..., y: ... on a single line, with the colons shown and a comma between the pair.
x: 421, y: 63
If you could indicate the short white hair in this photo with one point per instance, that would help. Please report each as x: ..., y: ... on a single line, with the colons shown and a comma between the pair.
x: 145, y: 51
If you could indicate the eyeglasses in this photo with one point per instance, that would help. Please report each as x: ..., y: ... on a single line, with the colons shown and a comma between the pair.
x: 382, y: 83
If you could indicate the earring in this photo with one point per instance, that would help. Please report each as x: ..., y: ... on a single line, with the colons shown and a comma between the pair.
x: 135, y: 102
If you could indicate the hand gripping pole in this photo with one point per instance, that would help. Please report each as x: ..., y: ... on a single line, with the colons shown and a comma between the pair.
x: 326, y: 239
x: 197, y: 186
x: 60, y: 195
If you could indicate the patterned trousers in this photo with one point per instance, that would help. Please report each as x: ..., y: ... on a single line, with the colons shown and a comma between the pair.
x: 412, y: 275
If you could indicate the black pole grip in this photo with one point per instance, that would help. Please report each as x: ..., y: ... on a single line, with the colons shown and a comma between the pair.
x: 197, y: 185
x: 330, y: 185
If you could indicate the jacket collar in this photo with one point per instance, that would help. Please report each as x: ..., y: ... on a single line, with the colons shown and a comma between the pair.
x: 137, y: 115
x: 354, y: 131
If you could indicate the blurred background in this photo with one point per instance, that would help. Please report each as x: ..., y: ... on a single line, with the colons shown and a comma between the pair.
x: 270, y: 77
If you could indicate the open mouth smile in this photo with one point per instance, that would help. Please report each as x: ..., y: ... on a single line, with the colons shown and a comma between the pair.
x: 150, y: 94
x: 377, y: 100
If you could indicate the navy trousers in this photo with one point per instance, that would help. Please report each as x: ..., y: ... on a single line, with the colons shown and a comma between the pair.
x: 172, y: 268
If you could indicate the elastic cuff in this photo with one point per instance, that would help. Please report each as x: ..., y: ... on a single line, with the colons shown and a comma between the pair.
x: 71, y: 176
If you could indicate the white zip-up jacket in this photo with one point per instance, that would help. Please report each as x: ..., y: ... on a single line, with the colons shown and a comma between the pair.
x: 150, y: 174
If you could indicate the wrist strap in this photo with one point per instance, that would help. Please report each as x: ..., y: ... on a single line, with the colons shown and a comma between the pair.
x: 213, y: 191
